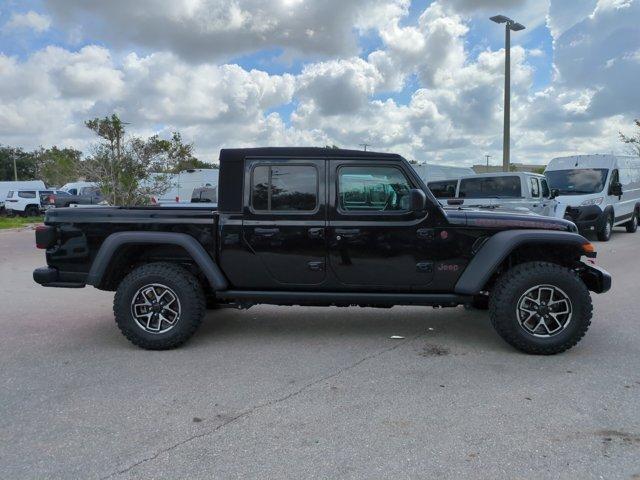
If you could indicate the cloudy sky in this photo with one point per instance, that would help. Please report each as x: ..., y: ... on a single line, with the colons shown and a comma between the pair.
x: 416, y: 77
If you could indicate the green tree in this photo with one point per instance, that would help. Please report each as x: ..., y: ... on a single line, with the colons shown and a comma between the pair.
x: 180, y: 155
x: 632, y: 141
x: 24, y: 162
x: 56, y: 166
x: 128, y: 169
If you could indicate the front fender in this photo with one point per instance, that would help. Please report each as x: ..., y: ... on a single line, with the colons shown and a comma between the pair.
x: 497, y: 248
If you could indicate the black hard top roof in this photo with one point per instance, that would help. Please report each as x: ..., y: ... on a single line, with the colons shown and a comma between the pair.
x: 231, y: 154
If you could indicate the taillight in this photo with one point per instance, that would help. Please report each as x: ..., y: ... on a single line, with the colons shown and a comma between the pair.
x: 45, y: 236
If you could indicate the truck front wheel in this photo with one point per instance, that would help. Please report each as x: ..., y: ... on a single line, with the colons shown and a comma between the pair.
x: 540, y: 308
x: 632, y: 225
x: 159, y: 306
x: 603, y: 231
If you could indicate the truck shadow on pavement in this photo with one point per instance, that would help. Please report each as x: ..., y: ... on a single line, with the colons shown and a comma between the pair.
x: 454, y: 330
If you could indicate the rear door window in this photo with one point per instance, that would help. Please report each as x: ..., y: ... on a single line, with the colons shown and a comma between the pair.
x: 27, y: 194
x: 284, y: 188
x: 491, y: 187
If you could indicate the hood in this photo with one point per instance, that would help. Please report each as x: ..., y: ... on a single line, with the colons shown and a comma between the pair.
x: 502, y: 220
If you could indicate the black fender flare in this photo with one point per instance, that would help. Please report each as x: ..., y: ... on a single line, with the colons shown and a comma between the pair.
x: 197, y: 252
x: 499, y: 246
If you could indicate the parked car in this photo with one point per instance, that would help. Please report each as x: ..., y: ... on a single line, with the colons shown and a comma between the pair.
x: 598, y: 191
x: 78, y: 195
x: 74, y: 187
x: 6, y: 187
x: 293, y: 227
x: 508, y: 190
x: 29, y: 203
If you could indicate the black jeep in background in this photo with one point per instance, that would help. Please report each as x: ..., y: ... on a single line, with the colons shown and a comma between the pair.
x: 313, y: 226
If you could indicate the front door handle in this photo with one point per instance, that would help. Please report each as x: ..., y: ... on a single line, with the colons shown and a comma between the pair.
x: 347, y: 232
x: 316, y: 232
x: 316, y: 266
x: 266, y: 232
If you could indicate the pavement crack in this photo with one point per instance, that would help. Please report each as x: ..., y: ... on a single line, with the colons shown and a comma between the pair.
x: 261, y: 406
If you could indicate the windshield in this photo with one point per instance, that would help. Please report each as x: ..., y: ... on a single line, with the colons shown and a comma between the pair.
x: 578, y: 181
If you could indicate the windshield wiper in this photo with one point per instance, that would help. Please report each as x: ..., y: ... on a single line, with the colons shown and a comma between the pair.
x: 575, y: 192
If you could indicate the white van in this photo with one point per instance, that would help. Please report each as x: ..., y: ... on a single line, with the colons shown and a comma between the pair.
x: 6, y: 187
x: 597, y: 191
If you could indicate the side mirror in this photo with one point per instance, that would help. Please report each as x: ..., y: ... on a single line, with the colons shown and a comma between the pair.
x: 616, y: 189
x: 554, y: 193
x: 417, y: 200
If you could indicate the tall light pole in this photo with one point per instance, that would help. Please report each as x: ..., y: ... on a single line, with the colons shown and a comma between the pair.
x: 488, y: 157
x: 15, y: 169
x: 515, y: 26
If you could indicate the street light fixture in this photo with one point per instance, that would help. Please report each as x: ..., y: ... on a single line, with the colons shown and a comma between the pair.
x: 516, y: 27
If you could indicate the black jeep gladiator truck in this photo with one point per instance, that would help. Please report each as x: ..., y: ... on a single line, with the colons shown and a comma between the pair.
x: 314, y: 226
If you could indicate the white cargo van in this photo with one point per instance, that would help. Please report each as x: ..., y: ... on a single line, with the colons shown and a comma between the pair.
x: 597, y: 191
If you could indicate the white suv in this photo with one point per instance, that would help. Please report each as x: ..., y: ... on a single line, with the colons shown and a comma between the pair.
x: 29, y: 203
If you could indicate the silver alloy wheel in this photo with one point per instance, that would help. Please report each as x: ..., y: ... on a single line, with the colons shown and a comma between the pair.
x: 155, y: 308
x: 544, y: 311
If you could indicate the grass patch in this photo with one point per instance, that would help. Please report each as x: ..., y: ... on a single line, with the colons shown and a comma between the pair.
x: 17, y: 222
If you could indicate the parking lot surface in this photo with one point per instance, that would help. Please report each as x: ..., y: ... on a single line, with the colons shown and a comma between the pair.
x: 277, y: 392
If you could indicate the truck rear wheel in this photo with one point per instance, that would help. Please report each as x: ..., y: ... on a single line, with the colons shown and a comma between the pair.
x: 540, y: 308
x: 159, y: 306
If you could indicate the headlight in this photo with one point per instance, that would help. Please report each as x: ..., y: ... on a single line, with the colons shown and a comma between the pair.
x: 593, y: 201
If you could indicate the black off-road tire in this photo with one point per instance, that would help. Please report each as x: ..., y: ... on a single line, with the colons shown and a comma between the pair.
x: 31, y: 211
x: 188, y: 291
x: 632, y: 225
x: 603, y: 232
x: 511, y: 285
x: 480, y: 302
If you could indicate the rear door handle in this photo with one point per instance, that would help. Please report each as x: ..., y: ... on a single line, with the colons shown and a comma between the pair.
x: 316, y: 266
x: 347, y: 232
x: 266, y: 232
